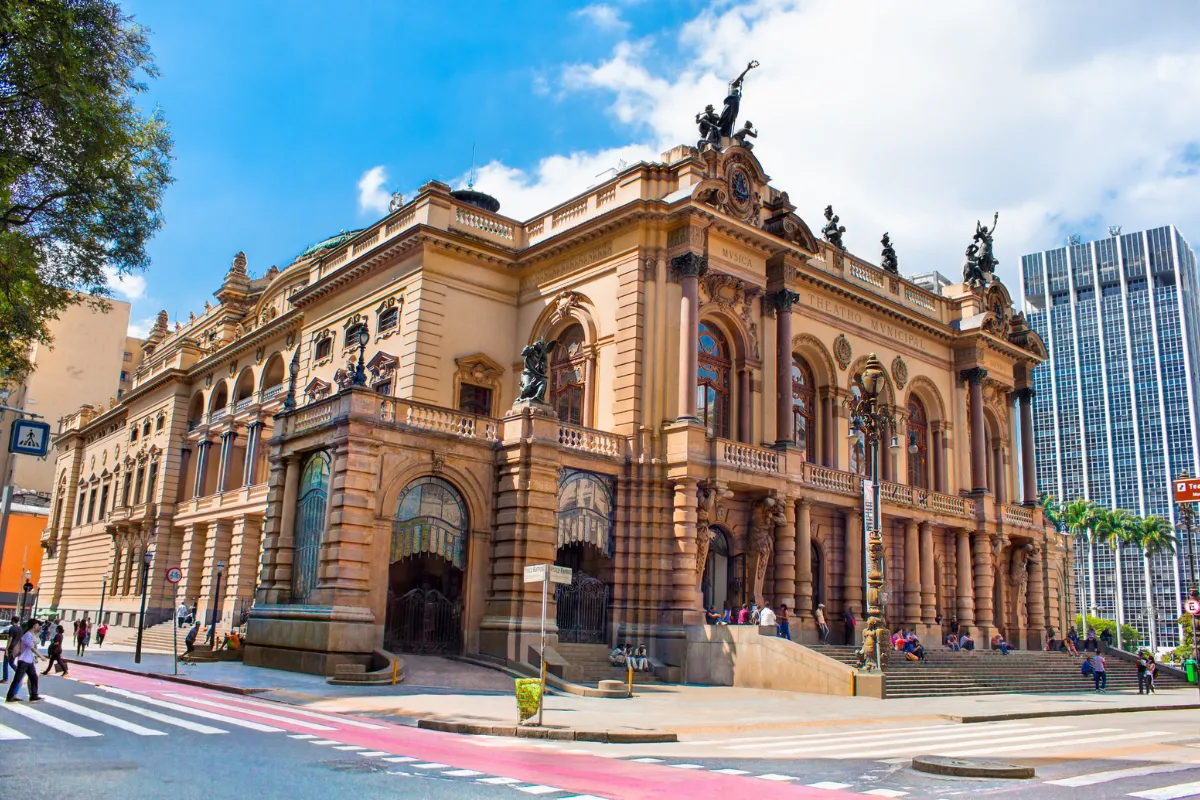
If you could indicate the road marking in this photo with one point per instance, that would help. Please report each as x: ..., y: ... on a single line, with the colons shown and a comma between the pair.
x: 265, y: 715
x: 968, y: 741
x: 107, y: 719
x: 302, y: 736
x: 647, y: 760
x: 581, y: 797
x: 1046, y: 745
x: 537, y: 789
x: 350, y: 747
x: 685, y: 766
x: 154, y: 715
x: 728, y: 771
x: 865, y: 745
x: 430, y: 765
x: 375, y: 753
x: 1169, y: 792
x: 771, y: 776
x: 305, y: 712
x: 498, y: 781
x: 462, y: 773
x: 886, y: 793
x: 830, y: 785
x: 1118, y: 774
x: 195, y: 712
x: 323, y: 741
x: 891, y: 734
x: 399, y: 759
x: 842, y: 735
x: 51, y: 722
x: 10, y: 735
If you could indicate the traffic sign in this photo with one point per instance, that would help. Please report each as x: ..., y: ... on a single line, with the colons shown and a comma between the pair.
x: 1192, y: 606
x: 29, y: 438
x: 174, y: 575
x: 537, y: 573
x: 1187, y: 490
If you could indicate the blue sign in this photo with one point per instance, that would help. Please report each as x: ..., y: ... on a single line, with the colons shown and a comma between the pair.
x: 29, y: 438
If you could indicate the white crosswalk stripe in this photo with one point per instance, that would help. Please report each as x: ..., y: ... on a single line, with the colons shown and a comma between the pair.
x: 1176, y: 792
x: 69, y: 728
x: 195, y: 727
x: 1067, y: 733
x: 315, y: 726
x: 195, y: 712
x: 855, y: 736
x: 880, y: 745
x: 10, y: 735
x: 1092, y: 778
x: 107, y: 719
x: 1039, y: 747
x: 303, y: 712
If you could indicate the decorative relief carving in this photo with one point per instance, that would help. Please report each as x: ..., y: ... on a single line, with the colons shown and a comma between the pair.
x: 688, y: 265
x: 588, y: 257
x: 564, y: 304
x: 899, y: 372
x: 687, y: 235
x: 734, y: 296
x: 842, y: 351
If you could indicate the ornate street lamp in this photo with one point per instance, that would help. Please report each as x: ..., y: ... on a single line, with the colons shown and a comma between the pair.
x: 26, y: 588
x: 212, y: 628
x: 103, y: 591
x: 360, y: 372
x: 873, y: 420
x: 147, y: 560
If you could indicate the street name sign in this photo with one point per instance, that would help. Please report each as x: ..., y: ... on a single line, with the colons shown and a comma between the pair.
x: 537, y: 573
x: 1187, y: 490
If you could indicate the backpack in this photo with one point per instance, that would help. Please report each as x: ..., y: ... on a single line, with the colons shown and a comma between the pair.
x: 1087, y: 668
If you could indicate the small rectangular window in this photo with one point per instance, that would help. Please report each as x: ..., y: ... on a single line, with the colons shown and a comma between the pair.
x: 323, y: 349
x: 104, y: 501
x: 128, y: 356
x: 91, y: 514
x: 475, y: 399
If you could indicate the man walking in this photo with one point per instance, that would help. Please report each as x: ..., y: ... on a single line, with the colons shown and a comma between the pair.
x: 1101, y: 673
x: 785, y: 631
x: 27, y: 655
x: 182, y: 613
x: 822, y: 626
x: 10, y: 650
x: 1141, y: 668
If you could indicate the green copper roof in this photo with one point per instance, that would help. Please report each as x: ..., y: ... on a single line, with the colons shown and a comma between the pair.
x: 330, y: 243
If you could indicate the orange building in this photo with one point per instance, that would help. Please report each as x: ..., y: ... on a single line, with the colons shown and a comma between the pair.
x: 22, y: 551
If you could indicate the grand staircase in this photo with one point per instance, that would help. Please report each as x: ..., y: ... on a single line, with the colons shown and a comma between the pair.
x: 155, y: 639
x: 945, y: 673
x: 588, y: 663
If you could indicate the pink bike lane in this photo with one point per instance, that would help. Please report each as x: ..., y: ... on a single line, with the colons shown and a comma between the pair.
x: 584, y: 774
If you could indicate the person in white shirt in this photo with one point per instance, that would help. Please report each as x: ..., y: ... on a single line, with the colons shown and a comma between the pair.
x: 766, y: 616
x: 27, y: 655
x: 181, y: 614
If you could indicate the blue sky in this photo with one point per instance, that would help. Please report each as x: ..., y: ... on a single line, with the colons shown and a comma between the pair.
x: 913, y: 119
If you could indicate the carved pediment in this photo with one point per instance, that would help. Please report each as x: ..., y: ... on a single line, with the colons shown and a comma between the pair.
x: 317, y: 389
x: 480, y: 370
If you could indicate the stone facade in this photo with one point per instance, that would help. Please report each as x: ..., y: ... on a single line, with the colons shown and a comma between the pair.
x: 695, y: 447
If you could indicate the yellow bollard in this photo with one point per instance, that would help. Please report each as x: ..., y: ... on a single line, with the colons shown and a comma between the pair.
x: 395, y: 670
x: 629, y: 678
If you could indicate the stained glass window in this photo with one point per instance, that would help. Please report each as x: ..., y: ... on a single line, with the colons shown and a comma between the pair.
x: 712, y: 381
x: 804, y: 428
x: 431, y: 517
x: 918, y: 444
x: 568, y: 366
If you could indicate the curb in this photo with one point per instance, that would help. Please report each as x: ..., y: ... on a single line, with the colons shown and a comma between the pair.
x: 560, y: 734
x: 971, y: 768
x: 1075, y: 712
x: 218, y: 687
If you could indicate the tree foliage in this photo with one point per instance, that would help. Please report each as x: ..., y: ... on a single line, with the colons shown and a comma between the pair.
x: 82, y: 168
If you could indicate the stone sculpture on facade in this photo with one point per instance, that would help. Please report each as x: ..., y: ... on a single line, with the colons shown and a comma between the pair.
x: 747, y: 130
x: 289, y: 401
x: 733, y: 102
x: 766, y: 515
x: 714, y: 129
x: 705, y: 510
x: 534, y: 377
x: 832, y: 230
x: 1019, y: 574
x: 710, y: 133
x: 979, y: 270
x: 888, y: 258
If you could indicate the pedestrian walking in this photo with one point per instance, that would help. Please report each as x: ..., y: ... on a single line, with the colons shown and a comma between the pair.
x: 81, y: 637
x: 181, y: 613
x: 27, y: 656
x: 101, y: 632
x: 822, y: 627
x: 785, y: 630
x: 1151, y: 673
x: 1142, y: 665
x: 849, y: 622
x: 189, y: 641
x: 1101, y: 675
x: 54, y: 653
x: 10, y: 650
x: 46, y: 627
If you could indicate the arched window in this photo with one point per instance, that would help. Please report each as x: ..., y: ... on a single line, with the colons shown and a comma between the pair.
x: 804, y: 419
x: 431, y: 517
x: 310, y: 525
x: 712, y: 381
x: 567, y: 376
x: 918, y: 444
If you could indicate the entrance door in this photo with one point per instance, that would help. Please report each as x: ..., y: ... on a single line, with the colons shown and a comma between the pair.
x: 715, y: 584
x: 428, y: 562
x: 582, y: 606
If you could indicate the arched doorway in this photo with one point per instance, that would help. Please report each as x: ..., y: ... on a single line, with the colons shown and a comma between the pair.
x: 818, y: 576
x: 310, y: 525
x: 427, y: 563
x: 585, y: 544
x: 716, y: 582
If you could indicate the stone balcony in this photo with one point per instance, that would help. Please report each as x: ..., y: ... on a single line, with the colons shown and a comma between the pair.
x: 244, y: 499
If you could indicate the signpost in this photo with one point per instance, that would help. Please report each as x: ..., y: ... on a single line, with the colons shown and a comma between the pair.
x: 546, y: 574
x: 1187, y: 493
x: 174, y: 576
x: 29, y: 438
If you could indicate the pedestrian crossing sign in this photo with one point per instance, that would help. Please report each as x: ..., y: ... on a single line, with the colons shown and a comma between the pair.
x: 29, y: 438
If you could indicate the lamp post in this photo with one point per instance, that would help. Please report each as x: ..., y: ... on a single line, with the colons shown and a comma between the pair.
x: 147, y: 559
x: 212, y: 628
x: 360, y: 371
x: 26, y: 588
x: 103, y: 591
x: 874, y: 421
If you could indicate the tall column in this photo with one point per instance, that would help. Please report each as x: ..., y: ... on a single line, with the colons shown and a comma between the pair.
x: 912, y: 574
x: 974, y: 378
x: 852, y: 578
x: 964, y: 587
x: 785, y: 558
x: 227, y: 440
x: 937, y: 457
x: 929, y: 607
x: 1036, y: 599
x: 285, y: 549
x: 885, y: 455
x: 984, y: 576
x: 744, y: 431
x: 804, y: 576
x: 1028, y: 468
x: 1000, y: 490
x: 685, y: 599
x: 689, y: 267
x: 201, y: 467
x: 828, y: 425
x: 243, y: 566
x: 252, y: 433
x: 781, y: 301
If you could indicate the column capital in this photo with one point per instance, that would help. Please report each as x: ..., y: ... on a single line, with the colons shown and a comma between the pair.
x: 803, y: 502
x: 781, y: 300
x: 689, y: 265
x: 1025, y: 394
x: 974, y: 375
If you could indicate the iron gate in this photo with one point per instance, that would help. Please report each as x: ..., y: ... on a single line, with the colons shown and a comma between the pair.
x: 582, y: 609
x: 422, y: 621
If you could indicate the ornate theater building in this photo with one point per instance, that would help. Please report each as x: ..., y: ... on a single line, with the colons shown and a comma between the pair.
x: 334, y: 451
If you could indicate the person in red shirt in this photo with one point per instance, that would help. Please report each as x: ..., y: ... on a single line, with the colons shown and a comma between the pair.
x: 101, y: 632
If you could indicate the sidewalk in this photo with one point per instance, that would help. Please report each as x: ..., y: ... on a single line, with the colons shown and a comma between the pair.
x: 440, y: 689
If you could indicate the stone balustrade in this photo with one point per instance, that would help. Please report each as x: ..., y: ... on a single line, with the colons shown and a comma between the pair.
x: 749, y: 457
x: 832, y: 480
x: 1017, y: 515
x: 475, y: 221
x: 593, y: 442
x: 422, y: 417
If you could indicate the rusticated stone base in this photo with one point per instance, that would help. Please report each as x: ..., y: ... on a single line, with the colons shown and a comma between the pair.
x: 312, y: 639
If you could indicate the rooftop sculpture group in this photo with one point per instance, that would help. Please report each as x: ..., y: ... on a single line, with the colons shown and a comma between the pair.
x: 979, y: 270
x: 716, y: 131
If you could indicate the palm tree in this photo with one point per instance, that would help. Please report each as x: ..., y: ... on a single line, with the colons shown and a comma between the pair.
x: 1153, y: 535
x: 1079, y: 516
x: 1115, y: 528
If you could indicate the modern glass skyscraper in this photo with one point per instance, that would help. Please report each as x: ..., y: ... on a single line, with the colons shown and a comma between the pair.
x: 1115, y: 414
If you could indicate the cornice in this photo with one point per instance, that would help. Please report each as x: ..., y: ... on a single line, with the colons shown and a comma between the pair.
x: 896, y: 312
x: 273, y: 328
x: 354, y: 269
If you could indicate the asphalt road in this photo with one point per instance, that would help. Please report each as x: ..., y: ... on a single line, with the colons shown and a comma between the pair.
x: 107, y: 735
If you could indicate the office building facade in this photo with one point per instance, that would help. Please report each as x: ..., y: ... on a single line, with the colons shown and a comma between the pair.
x: 1115, y: 405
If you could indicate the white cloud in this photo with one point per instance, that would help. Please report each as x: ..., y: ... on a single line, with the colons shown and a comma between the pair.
x: 140, y: 328
x: 921, y: 119
x: 603, y: 17
x: 371, y: 194
x: 127, y: 287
